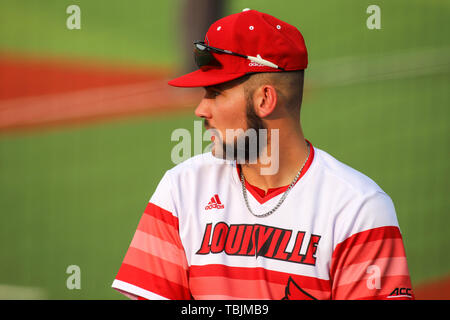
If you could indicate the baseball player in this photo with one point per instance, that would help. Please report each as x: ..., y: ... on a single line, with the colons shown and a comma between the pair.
x: 218, y: 227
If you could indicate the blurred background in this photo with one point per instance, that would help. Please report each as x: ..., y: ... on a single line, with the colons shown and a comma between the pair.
x: 86, y: 119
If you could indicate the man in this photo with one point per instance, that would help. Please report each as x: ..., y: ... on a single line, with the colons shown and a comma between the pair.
x: 279, y: 220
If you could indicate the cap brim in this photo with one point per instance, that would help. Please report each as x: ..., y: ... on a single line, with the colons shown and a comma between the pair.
x: 200, y: 78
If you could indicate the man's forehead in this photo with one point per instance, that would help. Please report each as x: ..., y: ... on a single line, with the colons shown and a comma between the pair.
x: 215, y: 87
x: 228, y: 85
x: 221, y: 87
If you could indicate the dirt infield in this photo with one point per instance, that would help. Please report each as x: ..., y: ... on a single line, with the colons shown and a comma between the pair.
x: 43, y: 92
x: 438, y: 289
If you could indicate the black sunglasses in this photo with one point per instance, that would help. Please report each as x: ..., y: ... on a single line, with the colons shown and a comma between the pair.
x: 204, y: 58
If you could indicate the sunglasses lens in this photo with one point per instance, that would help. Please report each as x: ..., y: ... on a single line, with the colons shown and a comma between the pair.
x: 204, y: 58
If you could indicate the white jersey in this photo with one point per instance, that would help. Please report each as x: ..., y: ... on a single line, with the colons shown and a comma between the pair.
x: 335, y: 236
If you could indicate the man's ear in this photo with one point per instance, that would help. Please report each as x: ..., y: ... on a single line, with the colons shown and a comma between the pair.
x: 265, y: 99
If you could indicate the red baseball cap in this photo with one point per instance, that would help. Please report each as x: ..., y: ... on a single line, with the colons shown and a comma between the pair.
x: 249, y: 33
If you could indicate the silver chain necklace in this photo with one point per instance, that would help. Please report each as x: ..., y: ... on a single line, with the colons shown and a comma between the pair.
x: 244, y: 191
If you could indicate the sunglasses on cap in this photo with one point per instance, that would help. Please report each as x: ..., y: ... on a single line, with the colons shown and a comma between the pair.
x: 205, y: 60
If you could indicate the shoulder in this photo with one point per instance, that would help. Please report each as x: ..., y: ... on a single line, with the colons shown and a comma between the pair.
x: 358, y: 203
x: 200, y: 174
x: 343, y: 176
x: 182, y: 183
x: 199, y: 164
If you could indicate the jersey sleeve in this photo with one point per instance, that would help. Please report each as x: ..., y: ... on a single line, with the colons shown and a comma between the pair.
x: 155, y: 265
x: 370, y: 263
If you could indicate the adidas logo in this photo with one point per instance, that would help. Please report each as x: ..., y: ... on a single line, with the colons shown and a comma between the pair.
x: 255, y: 64
x: 215, y: 203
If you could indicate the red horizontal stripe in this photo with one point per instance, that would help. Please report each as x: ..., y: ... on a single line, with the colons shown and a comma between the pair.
x: 152, y: 283
x: 207, y: 287
x: 157, y: 266
x: 369, y: 251
x: 390, y: 232
x: 214, y: 270
x: 158, y: 228
x: 161, y: 214
x: 359, y: 289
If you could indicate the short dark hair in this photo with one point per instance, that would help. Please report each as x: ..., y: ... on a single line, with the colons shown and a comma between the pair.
x: 288, y: 85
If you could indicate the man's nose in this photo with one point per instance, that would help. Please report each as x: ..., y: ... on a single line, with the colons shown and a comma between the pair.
x: 203, y: 109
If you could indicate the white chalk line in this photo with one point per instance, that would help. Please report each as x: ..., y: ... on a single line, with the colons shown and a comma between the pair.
x: 144, y: 96
x: 93, y: 103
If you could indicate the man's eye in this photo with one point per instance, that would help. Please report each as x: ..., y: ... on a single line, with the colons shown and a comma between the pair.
x: 212, y: 93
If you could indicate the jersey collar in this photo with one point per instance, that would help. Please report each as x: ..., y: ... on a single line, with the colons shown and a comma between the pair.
x: 262, y: 196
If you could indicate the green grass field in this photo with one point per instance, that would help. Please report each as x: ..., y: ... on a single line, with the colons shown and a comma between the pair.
x: 74, y: 195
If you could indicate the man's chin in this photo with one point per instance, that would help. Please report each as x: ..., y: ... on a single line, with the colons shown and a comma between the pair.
x: 213, y: 152
x: 220, y: 151
x: 218, y: 154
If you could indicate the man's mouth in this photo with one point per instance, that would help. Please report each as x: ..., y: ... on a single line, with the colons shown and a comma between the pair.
x: 210, y: 129
x: 206, y: 125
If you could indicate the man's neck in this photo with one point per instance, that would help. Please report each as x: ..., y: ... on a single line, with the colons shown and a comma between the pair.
x: 292, y: 154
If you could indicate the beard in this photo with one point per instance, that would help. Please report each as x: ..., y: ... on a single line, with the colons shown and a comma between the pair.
x: 245, y: 147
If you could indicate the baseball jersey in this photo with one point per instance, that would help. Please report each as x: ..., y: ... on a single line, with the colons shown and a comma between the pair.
x: 335, y: 236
